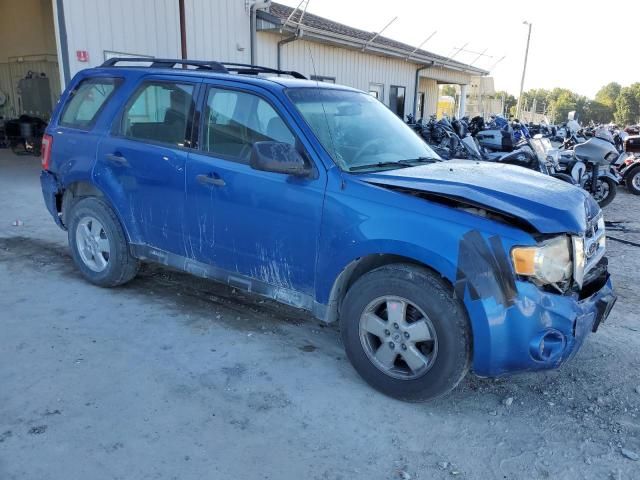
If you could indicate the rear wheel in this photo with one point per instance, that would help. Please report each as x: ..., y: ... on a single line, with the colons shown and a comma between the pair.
x: 405, y: 333
x: 632, y: 181
x: 98, y: 244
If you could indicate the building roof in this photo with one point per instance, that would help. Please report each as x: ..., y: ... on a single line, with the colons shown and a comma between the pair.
x: 278, y: 15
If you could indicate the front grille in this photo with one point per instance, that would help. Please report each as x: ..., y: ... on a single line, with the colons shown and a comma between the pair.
x: 594, y: 242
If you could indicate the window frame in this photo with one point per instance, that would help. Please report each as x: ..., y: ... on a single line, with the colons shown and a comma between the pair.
x: 377, y: 84
x: 116, y: 127
x: 404, y: 100
x: 202, y: 121
x: 118, y: 81
x: 323, y: 78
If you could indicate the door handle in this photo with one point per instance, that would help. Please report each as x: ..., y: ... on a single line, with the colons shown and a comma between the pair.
x: 209, y: 180
x: 117, y: 159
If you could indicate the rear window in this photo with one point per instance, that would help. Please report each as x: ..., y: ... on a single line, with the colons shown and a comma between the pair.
x: 86, y: 101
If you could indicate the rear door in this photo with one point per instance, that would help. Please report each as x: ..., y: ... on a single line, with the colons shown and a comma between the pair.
x: 259, y: 224
x: 145, y: 159
x: 75, y: 135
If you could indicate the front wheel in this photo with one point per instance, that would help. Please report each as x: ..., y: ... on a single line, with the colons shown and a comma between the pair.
x: 606, y: 190
x: 405, y: 333
x: 564, y: 177
x: 632, y: 181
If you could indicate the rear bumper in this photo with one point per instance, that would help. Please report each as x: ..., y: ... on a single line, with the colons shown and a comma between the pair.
x: 541, y: 330
x: 50, y: 193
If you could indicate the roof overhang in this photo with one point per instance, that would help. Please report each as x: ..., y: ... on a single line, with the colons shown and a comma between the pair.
x: 270, y: 23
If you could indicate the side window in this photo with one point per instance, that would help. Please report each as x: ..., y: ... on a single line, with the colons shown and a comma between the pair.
x: 234, y: 121
x: 159, y: 112
x: 86, y: 101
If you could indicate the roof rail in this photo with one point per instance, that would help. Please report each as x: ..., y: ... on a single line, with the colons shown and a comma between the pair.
x: 246, y: 69
x: 218, y: 67
x: 167, y: 63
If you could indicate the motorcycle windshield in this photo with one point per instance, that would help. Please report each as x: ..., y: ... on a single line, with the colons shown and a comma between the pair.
x: 540, y: 148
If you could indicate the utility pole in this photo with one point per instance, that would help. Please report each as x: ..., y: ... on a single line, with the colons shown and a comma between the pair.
x: 524, y: 69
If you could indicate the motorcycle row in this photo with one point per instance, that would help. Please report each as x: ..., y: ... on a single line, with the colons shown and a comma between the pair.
x: 597, y: 159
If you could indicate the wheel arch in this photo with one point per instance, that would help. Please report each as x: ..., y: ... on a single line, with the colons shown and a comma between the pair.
x: 362, y: 265
x: 78, y: 189
x: 74, y: 191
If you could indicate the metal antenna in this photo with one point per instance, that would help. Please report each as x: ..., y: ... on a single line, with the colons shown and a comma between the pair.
x: 481, y: 54
x: 302, y: 14
x: 456, y: 52
x: 497, y: 62
x: 420, y: 46
x: 378, y: 34
x: 293, y: 12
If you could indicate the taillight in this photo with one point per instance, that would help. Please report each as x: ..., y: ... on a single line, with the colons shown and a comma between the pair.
x: 47, y: 143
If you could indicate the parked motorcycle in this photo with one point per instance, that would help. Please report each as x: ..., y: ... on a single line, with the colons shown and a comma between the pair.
x: 535, y: 154
x: 628, y: 164
x: 593, y: 159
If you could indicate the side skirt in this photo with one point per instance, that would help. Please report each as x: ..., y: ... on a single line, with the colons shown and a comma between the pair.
x: 233, y: 279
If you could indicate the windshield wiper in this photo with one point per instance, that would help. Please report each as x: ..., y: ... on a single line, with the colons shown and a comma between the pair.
x: 410, y: 162
x: 421, y: 160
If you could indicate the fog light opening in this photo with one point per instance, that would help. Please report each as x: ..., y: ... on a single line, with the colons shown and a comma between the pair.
x: 547, y: 346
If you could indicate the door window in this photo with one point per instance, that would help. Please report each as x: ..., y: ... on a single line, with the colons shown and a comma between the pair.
x: 235, y: 120
x: 86, y: 101
x: 160, y: 112
x: 396, y: 100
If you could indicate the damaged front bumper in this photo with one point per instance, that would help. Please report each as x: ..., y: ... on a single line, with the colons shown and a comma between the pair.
x: 540, y: 330
x: 51, y: 195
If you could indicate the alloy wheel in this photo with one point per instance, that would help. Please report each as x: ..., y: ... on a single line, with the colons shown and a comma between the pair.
x: 398, y: 337
x: 93, y: 244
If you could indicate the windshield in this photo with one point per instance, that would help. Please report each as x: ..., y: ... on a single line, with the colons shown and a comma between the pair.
x: 358, y: 131
x: 540, y: 146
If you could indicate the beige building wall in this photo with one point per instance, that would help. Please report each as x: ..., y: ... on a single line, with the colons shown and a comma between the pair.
x: 27, y: 43
x: 26, y: 28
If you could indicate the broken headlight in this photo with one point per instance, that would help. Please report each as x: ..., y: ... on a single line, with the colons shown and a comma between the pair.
x: 547, y: 263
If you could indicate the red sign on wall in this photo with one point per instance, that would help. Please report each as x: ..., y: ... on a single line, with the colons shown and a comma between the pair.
x: 82, y: 55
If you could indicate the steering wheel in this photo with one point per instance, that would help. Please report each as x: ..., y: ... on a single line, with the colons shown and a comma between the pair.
x: 365, y: 147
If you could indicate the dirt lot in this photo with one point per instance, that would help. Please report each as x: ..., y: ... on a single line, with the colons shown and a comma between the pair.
x: 173, y: 377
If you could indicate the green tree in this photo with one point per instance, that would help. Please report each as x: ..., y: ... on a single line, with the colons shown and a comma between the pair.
x: 509, y: 100
x: 608, y: 94
x: 449, y: 90
x: 594, y: 111
x: 627, y: 109
x: 563, y: 104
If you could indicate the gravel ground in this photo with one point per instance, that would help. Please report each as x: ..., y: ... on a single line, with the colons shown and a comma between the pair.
x: 173, y: 377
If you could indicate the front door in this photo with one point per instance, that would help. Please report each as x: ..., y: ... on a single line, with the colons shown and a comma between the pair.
x: 258, y: 224
x: 145, y: 157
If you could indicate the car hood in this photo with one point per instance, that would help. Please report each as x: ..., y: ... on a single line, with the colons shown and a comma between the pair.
x: 547, y: 204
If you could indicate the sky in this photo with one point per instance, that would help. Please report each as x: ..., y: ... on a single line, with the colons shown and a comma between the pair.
x: 576, y: 45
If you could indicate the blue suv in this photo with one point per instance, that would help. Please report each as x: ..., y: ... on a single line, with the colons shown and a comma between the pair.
x: 318, y: 196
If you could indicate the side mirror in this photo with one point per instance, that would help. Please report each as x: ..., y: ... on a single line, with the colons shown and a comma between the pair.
x: 278, y: 157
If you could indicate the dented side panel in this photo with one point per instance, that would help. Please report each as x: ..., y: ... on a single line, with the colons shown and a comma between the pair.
x: 361, y: 219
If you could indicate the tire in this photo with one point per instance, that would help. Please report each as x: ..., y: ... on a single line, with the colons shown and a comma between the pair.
x: 98, y: 243
x: 611, y: 188
x: 632, y: 181
x: 431, y: 304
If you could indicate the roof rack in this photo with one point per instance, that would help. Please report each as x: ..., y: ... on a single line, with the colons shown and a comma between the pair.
x: 217, y: 67
x: 246, y: 69
x: 167, y: 63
